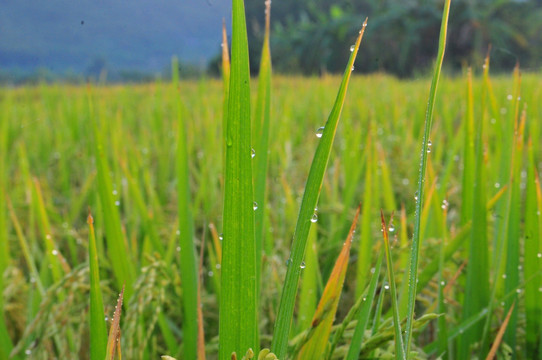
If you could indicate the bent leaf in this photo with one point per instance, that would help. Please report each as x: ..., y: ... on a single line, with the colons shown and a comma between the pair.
x: 327, y: 307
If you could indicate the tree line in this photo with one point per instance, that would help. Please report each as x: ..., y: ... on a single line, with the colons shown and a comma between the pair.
x: 313, y: 36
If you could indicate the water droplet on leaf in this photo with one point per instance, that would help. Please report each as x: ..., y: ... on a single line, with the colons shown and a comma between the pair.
x: 319, y: 132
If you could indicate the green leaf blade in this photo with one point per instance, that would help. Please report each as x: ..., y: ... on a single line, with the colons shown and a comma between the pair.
x: 238, y: 315
x: 308, y: 203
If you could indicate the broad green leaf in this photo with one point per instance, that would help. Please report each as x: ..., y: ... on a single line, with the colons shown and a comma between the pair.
x: 238, y: 325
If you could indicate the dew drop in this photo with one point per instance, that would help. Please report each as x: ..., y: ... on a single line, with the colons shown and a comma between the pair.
x: 387, y: 287
x: 220, y: 237
x: 364, y: 299
x: 364, y: 24
x: 539, y: 255
x: 178, y: 248
x: 314, y: 218
x: 254, y: 206
x: 218, y: 266
x: 352, y: 48
x: 178, y: 232
x: 48, y: 237
x: 429, y: 144
x: 352, y: 68
x: 253, y: 153
x: 391, y: 228
x: 504, y: 276
x: 106, y: 318
x: 115, y: 192
x: 54, y: 252
x: 117, y: 203
x: 509, y: 97
x: 416, y: 196
x: 28, y: 352
x: 444, y: 204
x: 319, y: 132
x: 302, y: 266
x: 518, y: 291
x: 497, y: 185
x: 373, y: 270
x: 288, y: 262
x: 210, y: 273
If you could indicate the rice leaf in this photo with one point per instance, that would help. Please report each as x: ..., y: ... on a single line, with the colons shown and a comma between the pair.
x: 119, y: 255
x: 477, y: 287
x: 6, y: 344
x: 416, y: 241
x: 399, y: 344
x: 308, y: 294
x: 498, y: 338
x: 533, y: 247
x: 366, y: 243
x: 262, y: 114
x: 238, y: 325
x: 226, y: 81
x: 363, y: 317
x: 113, y: 341
x: 327, y: 307
x: 98, y: 330
x: 188, y: 265
x: 308, y: 204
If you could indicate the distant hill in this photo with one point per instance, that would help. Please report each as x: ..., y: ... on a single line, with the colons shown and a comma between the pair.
x: 63, y: 35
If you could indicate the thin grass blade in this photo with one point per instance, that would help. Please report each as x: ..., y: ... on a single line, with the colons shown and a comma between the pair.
x: 416, y: 241
x: 188, y: 265
x: 6, y: 344
x: 500, y: 334
x: 262, y: 114
x: 113, y: 340
x: 98, y: 329
x: 532, y: 263
x: 308, y: 203
x: 399, y: 343
x: 363, y: 316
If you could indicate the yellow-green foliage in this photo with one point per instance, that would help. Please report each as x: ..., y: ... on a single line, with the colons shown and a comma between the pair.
x: 50, y: 177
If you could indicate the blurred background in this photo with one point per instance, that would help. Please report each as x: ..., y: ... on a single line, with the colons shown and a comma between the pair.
x: 134, y: 41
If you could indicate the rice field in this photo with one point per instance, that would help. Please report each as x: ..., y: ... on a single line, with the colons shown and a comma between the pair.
x: 143, y: 191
